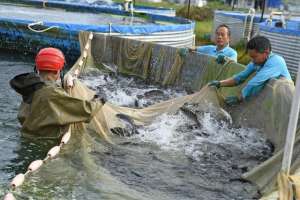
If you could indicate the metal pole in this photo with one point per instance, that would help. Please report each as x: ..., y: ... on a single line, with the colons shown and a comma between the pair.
x: 292, y: 126
x: 189, y: 6
x: 232, y: 4
x: 263, y: 11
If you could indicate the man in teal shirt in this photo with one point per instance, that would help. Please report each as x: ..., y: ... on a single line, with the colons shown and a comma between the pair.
x: 265, y: 65
x: 221, y: 50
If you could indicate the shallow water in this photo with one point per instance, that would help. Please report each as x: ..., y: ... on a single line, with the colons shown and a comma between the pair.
x: 169, y: 159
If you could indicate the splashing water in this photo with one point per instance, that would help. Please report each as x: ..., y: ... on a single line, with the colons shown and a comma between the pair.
x: 220, y: 153
x: 169, y: 159
x: 176, y: 132
x: 128, y: 91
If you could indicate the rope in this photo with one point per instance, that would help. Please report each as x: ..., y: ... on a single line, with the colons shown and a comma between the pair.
x: 39, y: 23
x: 84, y: 55
x: 19, y: 179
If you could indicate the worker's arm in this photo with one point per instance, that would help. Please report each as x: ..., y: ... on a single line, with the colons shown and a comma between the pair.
x: 236, y: 79
x: 243, y: 75
x: 66, y: 109
x: 257, y: 83
x: 227, y: 82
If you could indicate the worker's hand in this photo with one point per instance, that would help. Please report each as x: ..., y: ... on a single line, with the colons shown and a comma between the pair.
x: 183, y: 52
x: 69, y: 81
x: 221, y: 59
x: 232, y: 100
x: 214, y: 83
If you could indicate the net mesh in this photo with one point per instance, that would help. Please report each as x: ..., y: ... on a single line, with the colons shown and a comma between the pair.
x: 269, y: 111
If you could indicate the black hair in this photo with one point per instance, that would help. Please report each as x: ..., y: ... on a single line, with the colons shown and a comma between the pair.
x: 225, y: 26
x: 259, y: 43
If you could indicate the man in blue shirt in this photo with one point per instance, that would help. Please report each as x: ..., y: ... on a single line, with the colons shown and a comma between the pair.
x: 265, y: 65
x: 221, y: 50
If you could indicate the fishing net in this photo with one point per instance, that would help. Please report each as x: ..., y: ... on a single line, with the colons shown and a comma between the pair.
x: 269, y: 111
x: 82, y: 161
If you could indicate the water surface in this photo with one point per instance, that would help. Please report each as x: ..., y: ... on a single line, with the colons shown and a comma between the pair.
x: 169, y: 159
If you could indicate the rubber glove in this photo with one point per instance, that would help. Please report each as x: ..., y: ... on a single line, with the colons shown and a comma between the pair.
x: 232, y: 100
x: 221, y: 59
x: 215, y: 83
x: 183, y: 52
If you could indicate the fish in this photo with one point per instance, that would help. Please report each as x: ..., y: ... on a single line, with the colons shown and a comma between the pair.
x: 130, y: 128
x: 191, y: 114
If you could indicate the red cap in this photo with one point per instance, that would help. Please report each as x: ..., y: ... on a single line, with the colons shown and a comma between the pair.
x: 50, y: 59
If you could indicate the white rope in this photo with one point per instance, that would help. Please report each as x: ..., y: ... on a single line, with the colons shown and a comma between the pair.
x: 54, y: 151
x: 19, y: 179
x: 84, y: 54
x: 29, y: 26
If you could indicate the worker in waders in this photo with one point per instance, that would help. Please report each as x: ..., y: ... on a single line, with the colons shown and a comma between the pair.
x: 47, y: 109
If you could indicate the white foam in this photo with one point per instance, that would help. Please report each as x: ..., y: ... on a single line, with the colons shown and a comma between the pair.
x: 164, y: 133
x: 121, y: 92
x: 165, y: 130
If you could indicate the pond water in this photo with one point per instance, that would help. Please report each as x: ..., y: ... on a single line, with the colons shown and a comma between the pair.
x: 168, y: 159
x: 55, y: 15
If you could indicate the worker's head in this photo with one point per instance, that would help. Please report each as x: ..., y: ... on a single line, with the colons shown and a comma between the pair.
x: 258, y: 49
x: 222, y: 36
x: 49, y: 62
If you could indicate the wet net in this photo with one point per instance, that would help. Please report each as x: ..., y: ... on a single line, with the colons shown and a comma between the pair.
x: 268, y: 112
x: 87, y: 158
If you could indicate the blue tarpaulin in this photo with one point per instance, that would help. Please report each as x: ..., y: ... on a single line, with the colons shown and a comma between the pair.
x: 274, y: 3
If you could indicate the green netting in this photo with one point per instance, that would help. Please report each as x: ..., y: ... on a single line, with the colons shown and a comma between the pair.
x: 163, y: 65
x: 269, y: 111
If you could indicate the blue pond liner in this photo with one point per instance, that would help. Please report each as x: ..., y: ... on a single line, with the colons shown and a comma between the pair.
x: 274, y: 3
x: 79, y: 6
x: 15, y: 35
x: 292, y: 28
